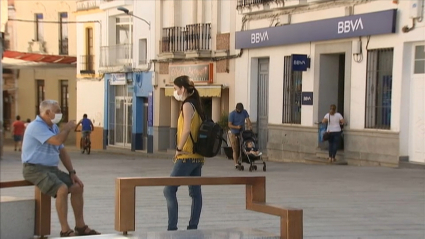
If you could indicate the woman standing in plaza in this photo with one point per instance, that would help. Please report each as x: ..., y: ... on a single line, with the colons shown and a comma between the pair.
x: 186, y: 163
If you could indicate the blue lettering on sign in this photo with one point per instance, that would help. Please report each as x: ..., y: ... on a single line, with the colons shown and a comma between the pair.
x: 259, y: 37
x: 350, y: 26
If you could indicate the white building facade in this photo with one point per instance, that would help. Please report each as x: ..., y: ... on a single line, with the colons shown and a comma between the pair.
x: 115, y: 70
x: 196, y: 38
x: 366, y: 57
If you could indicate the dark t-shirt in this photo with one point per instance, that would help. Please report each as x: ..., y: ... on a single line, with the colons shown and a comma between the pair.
x: 238, y: 119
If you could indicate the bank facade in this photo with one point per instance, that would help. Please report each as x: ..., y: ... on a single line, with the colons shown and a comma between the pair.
x: 366, y: 57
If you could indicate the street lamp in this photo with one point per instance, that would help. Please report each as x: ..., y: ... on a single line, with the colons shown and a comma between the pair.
x: 126, y: 11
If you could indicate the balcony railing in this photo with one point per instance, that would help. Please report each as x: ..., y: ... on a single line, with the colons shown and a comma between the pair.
x: 87, y: 64
x: 116, y: 55
x: 88, y: 4
x: 63, y: 46
x: 195, y: 37
x: 247, y: 3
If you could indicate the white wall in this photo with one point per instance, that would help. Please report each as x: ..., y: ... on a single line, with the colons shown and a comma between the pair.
x: 245, y: 74
x: 146, y: 10
x: 90, y: 97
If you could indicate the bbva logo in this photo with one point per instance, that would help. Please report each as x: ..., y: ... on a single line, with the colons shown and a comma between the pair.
x: 350, y: 26
x: 259, y: 37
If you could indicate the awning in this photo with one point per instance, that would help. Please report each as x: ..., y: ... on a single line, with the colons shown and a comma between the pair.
x: 15, y: 59
x: 204, y: 90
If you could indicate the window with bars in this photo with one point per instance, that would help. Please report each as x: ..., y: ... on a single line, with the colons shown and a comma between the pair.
x: 379, y: 88
x: 39, y: 32
x: 64, y: 96
x: 63, y: 33
x: 292, y: 88
x: 39, y: 94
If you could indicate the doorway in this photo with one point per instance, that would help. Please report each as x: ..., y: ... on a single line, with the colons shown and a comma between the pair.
x: 331, y: 86
x: 123, y: 120
x: 207, y: 106
x: 263, y: 103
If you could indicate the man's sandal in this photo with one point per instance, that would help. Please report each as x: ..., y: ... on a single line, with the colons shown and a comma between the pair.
x: 68, y: 233
x: 83, y: 231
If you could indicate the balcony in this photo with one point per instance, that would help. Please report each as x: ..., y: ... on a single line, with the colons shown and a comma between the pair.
x: 87, y: 64
x: 63, y: 46
x: 84, y: 5
x: 190, y: 41
x: 249, y: 3
x: 116, y: 57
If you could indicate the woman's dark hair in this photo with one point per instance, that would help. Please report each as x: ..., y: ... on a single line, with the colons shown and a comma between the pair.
x: 192, y: 93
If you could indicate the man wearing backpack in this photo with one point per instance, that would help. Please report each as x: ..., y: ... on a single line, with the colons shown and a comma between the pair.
x: 236, y: 125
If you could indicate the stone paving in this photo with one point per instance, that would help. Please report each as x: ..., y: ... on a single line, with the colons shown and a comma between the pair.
x: 338, y: 201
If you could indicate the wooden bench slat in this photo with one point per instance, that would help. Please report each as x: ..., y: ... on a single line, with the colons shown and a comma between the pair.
x: 183, y: 181
x: 12, y: 184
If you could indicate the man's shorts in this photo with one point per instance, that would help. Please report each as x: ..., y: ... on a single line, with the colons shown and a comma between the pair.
x: 86, y: 133
x: 17, y: 138
x: 47, y: 178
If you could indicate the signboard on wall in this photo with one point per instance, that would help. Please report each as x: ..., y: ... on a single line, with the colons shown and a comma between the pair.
x: 307, y: 98
x: 300, y: 62
x: 374, y: 23
x: 118, y: 79
x: 202, y: 72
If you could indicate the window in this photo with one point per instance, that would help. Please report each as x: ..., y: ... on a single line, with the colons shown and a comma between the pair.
x: 142, y: 51
x: 39, y: 95
x: 124, y: 30
x: 89, y: 58
x: 64, y: 95
x: 39, y: 36
x: 292, y: 88
x: 419, y: 66
x: 379, y: 88
x: 63, y: 33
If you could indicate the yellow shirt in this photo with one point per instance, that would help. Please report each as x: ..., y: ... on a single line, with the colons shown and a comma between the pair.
x: 194, y: 128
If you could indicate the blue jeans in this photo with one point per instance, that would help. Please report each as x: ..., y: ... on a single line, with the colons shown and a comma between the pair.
x: 334, y: 138
x: 184, y: 168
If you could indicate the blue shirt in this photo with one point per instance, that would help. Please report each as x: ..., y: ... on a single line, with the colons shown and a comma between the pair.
x: 238, y: 119
x: 35, y: 149
x: 86, y: 124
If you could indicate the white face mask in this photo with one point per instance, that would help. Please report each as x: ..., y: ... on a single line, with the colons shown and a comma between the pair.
x: 57, y: 118
x: 177, y: 96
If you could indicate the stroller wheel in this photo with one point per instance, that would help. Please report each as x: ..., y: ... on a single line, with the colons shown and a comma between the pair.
x: 242, y: 168
x: 255, y: 167
x: 264, y: 168
x: 251, y: 168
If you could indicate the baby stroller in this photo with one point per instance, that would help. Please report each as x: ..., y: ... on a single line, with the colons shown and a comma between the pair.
x: 245, y: 137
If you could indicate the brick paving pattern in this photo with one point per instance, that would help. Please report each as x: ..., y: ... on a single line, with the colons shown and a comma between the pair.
x: 340, y: 202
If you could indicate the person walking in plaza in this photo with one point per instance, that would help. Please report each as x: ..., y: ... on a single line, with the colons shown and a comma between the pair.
x: 334, y: 120
x: 186, y: 163
x: 18, y: 128
x: 236, y: 125
x: 42, y: 149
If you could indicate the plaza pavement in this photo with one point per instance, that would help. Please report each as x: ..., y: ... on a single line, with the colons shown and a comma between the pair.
x: 339, y: 202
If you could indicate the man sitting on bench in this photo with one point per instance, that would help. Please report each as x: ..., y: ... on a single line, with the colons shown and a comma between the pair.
x: 41, y: 151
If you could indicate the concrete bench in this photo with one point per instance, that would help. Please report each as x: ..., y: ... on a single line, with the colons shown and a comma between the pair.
x: 291, y: 220
x: 42, y: 208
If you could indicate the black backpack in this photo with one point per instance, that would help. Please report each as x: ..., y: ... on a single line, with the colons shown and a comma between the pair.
x: 210, y: 137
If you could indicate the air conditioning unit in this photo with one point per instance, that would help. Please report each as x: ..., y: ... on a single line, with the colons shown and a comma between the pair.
x: 37, y: 46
